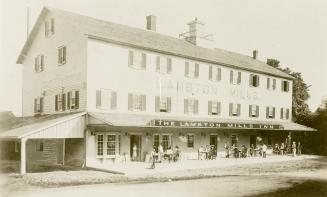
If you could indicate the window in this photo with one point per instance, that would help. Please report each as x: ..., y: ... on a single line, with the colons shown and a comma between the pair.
x: 16, y: 147
x: 270, y: 112
x: 269, y: 140
x: 137, y: 60
x: 49, y: 27
x: 214, y: 73
x: 163, y: 65
x: 192, y: 70
x: 234, y: 109
x: 60, y: 102
x: 285, y: 86
x: 284, y: 113
x: 166, y: 142
x: 254, y: 80
x: 111, y: 144
x: 62, y: 53
x: 234, y: 140
x: 136, y: 102
x: 253, y: 111
x: 38, y: 105
x: 269, y: 85
x: 162, y: 104
x: 39, y: 146
x: 156, y: 141
x: 106, y: 99
x: 73, y: 100
x: 190, y: 141
x: 191, y: 106
x: 214, y: 107
x: 39, y: 63
x: 235, y: 77
x: 287, y: 114
x: 100, y: 145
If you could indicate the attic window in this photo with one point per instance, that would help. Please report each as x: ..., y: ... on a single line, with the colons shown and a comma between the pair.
x: 49, y: 27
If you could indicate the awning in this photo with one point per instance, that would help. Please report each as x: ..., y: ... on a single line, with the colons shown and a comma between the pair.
x: 138, y: 120
x: 69, y: 125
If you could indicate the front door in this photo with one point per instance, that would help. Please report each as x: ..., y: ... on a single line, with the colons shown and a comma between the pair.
x: 214, y: 141
x: 136, y: 147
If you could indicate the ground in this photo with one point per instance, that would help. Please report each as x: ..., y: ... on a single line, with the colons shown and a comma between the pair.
x: 306, y: 176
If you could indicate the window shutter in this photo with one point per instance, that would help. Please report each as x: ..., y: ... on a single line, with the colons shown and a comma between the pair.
x: 98, y: 99
x: 113, y: 100
x: 56, y: 103
x: 209, y: 107
x: 196, y: 72
x: 130, y: 102
x: 64, y: 54
x: 185, y: 106
x: 238, y: 109
x: 46, y: 28
x: 282, y: 85
x: 239, y: 78
x: 230, y: 109
x: 158, y: 63
x: 59, y: 56
x: 143, y: 60
x: 274, y: 84
x: 130, y: 58
x: 157, y: 104
x: 35, y: 64
x: 219, y: 74
x: 268, y: 83
x: 251, y: 80
x: 267, y: 112
x: 210, y: 72
x: 287, y: 86
x: 42, y: 63
x: 218, y: 107
x: 169, y: 104
x: 231, y: 75
x: 69, y: 96
x: 258, y: 81
x: 287, y: 113
x: 41, y: 104
x: 143, y: 97
x: 281, y: 113
x: 35, y: 105
x: 169, y: 66
x: 52, y: 25
x: 76, y: 99
x: 274, y: 112
x: 187, y: 69
x: 250, y: 110
x: 196, y: 106
x: 63, y: 102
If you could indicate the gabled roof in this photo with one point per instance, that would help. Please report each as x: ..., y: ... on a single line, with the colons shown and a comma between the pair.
x: 153, y: 41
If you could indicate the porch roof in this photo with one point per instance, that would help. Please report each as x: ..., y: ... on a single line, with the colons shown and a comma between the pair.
x: 138, y: 120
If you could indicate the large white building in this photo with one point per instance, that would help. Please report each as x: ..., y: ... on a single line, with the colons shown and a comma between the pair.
x: 98, y: 88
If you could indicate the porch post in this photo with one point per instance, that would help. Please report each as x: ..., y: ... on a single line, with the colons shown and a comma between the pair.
x: 63, y: 151
x: 23, y: 156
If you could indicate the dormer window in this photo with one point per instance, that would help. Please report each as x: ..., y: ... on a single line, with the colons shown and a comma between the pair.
x: 254, y: 80
x: 49, y: 27
x: 39, y: 64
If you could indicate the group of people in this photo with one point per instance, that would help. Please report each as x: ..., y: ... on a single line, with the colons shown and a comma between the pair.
x: 158, y: 155
x: 282, y: 149
x: 207, y: 152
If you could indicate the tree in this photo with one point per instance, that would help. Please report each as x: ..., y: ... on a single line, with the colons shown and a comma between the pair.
x: 300, y: 108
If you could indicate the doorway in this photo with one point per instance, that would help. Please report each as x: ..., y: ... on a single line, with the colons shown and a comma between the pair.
x: 136, y: 147
x: 253, y: 140
x: 214, y: 142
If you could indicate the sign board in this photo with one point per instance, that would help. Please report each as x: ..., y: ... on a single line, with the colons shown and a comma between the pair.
x: 219, y: 125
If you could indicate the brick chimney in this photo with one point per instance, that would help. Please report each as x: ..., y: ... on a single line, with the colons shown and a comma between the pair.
x: 151, y: 22
x: 255, y: 54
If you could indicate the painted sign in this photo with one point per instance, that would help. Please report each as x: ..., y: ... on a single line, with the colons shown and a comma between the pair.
x: 219, y: 125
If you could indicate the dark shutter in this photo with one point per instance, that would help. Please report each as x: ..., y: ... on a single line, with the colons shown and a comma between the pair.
x: 185, y: 106
x: 157, y: 104
x: 187, y: 69
x: 231, y: 75
x: 113, y: 100
x: 143, y: 60
x: 287, y: 113
x: 250, y: 110
x: 46, y: 28
x: 158, y: 63
x: 257, y: 111
x: 196, y: 106
x: 281, y: 113
x: 169, y: 104
x: 282, y: 85
x: 196, y: 71
x: 63, y: 96
x: 56, y: 102
x: 42, y: 63
x: 230, y: 109
x: 268, y: 83
x: 35, y: 105
x: 35, y: 64
x: 130, y: 58
x: 64, y: 54
x: 267, y: 112
x: 274, y: 112
x: 219, y: 74
x: 219, y: 108
x: 98, y: 99
x: 169, y: 65
x: 274, y: 84
x: 143, y: 99
x: 209, y: 107
x: 69, y: 96
x: 239, y: 75
x: 258, y: 81
x: 59, y: 56
x: 41, y: 104
x: 76, y: 99
x: 238, y: 109
x: 210, y: 72
x: 130, y: 102
x: 52, y: 25
x: 251, y: 80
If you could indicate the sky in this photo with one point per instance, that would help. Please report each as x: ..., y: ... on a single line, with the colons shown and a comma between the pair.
x: 292, y: 31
